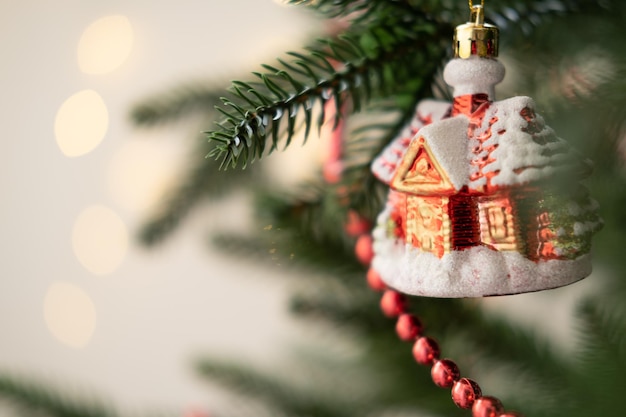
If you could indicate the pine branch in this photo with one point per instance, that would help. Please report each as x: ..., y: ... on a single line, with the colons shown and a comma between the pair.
x: 312, y: 205
x: 290, y: 250
x: 39, y: 399
x: 366, y: 141
x: 509, y: 15
x: 204, y: 179
x: 334, y: 8
x: 276, y: 394
x: 304, y: 210
x: 520, y: 346
x: 179, y: 102
x: 519, y: 16
x: 366, y: 11
x: 602, y: 359
x: 360, y: 313
x: 606, y: 108
x: 524, y: 16
x: 603, y: 333
x: 351, y: 68
x: 540, y: 370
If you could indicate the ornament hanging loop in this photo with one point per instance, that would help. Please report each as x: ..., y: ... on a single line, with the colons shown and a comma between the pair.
x: 471, y: 4
x: 476, y: 38
x: 477, y: 15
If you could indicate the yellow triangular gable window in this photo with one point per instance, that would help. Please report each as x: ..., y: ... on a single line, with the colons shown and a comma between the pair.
x: 420, y: 173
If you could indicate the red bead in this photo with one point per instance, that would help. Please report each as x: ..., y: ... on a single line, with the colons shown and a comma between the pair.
x: 393, y: 303
x: 375, y: 281
x: 426, y: 351
x: 363, y: 249
x: 356, y: 225
x: 465, y: 392
x: 408, y: 327
x: 487, y: 407
x: 445, y: 373
x: 332, y: 171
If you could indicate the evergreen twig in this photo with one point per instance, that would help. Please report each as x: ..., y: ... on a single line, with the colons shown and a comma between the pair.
x: 36, y: 398
x: 349, y: 68
x: 204, y: 179
x: 284, y: 398
x: 172, y: 105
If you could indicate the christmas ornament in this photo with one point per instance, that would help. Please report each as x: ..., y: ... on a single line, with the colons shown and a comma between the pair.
x: 470, y: 211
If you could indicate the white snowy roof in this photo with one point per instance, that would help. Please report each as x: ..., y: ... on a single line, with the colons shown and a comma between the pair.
x: 512, y: 145
x: 427, y: 111
x: 527, y: 150
x: 447, y: 141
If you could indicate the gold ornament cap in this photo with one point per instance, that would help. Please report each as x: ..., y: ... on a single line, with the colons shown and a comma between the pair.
x: 476, y: 38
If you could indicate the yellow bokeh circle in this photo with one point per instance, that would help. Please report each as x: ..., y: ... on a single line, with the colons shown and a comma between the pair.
x: 100, y: 240
x: 69, y: 314
x: 105, y: 45
x: 81, y: 123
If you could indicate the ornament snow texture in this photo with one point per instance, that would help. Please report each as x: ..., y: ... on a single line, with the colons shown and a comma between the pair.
x: 471, y: 211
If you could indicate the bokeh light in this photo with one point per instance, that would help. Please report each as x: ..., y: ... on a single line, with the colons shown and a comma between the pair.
x: 70, y: 314
x: 81, y: 123
x: 105, y: 45
x: 100, y: 240
x: 140, y: 172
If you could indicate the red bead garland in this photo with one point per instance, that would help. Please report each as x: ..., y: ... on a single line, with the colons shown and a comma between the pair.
x: 444, y: 372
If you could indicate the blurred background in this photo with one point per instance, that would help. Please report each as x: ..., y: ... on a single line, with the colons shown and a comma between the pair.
x: 80, y: 300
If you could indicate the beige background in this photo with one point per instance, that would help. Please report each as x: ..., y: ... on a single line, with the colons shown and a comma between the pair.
x: 140, y: 322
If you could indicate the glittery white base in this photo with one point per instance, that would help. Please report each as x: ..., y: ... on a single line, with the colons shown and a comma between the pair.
x: 474, y: 272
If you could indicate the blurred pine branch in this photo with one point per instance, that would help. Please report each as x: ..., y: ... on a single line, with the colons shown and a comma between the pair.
x: 30, y: 397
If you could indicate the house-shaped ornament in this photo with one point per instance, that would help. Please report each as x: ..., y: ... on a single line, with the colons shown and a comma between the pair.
x: 472, y: 209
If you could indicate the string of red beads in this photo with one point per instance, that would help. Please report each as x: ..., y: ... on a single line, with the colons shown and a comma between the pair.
x: 444, y: 372
x: 409, y: 328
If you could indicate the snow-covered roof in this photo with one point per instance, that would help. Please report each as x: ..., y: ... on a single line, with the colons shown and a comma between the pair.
x: 527, y: 150
x: 427, y: 111
x: 447, y: 141
x: 504, y: 143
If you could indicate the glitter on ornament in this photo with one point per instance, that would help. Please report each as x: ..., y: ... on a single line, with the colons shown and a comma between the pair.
x: 471, y: 210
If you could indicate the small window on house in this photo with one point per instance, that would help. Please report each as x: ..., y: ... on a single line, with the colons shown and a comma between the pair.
x: 496, y: 216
